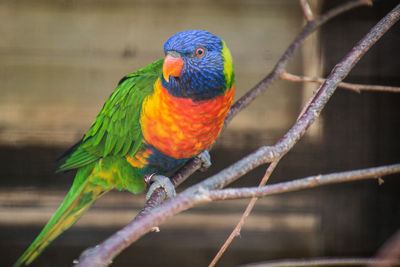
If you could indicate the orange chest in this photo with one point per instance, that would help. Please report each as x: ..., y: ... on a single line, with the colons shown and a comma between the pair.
x: 181, y: 127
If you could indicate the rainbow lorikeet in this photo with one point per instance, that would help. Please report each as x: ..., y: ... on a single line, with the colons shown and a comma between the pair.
x: 156, y: 119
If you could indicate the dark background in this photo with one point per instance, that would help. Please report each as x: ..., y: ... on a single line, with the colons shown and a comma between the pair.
x: 59, y: 60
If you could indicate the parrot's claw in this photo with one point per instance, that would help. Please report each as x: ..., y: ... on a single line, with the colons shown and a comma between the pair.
x: 205, y: 159
x: 157, y: 181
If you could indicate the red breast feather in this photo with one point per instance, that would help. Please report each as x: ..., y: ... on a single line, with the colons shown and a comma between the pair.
x: 180, y: 127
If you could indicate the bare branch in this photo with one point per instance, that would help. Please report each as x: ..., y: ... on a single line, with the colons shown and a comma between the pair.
x: 317, y: 262
x: 308, y: 182
x: 306, y: 10
x: 351, y: 86
x: 246, y: 213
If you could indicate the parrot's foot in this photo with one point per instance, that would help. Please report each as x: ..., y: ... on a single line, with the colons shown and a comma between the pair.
x: 205, y: 159
x: 157, y: 181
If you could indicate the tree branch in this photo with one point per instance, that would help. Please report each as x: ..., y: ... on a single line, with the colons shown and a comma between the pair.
x: 351, y: 86
x: 299, y: 184
x: 103, y: 254
x: 246, y: 213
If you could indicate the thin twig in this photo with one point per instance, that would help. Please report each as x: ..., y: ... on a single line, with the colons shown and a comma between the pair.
x: 103, y: 253
x: 246, y: 213
x: 299, y: 184
x: 306, y: 10
x: 351, y: 86
x: 316, y: 262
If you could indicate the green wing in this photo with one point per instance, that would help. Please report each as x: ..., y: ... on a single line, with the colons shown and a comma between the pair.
x: 116, y: 129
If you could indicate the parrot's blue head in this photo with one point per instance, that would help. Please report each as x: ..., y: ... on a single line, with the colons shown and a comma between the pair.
x: 197, y: 65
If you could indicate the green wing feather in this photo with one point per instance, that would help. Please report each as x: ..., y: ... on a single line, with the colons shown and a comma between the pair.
x: 115, y: 132
x: 116, y: 129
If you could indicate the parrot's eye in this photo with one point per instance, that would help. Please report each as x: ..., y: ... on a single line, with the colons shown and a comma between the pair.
x: 200, y: 52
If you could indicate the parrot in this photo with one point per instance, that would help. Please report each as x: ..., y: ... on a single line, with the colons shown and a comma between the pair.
x: 155, y: 120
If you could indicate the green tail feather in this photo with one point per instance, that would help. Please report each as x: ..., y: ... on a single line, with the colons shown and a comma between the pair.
x: 81, y: 195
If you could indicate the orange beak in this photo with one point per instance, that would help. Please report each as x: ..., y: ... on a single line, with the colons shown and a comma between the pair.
x: 173, y: 65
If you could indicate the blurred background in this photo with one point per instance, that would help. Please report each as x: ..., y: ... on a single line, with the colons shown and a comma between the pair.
x: 61, y: 59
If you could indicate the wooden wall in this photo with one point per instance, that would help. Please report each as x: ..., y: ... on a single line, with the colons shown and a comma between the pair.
x: 64, y: 58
